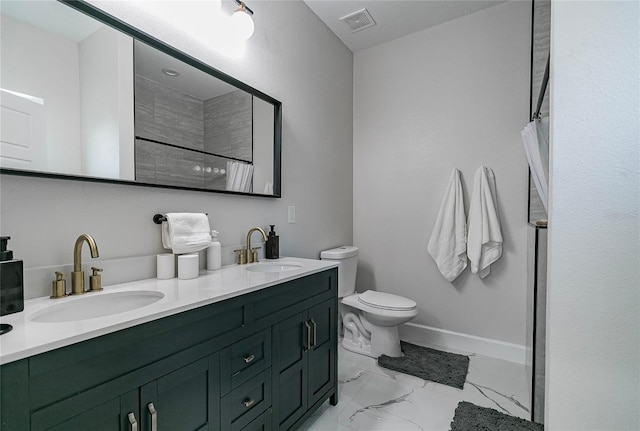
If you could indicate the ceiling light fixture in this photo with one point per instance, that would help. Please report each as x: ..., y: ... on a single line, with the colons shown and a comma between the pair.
x: 242, y: 21
x: 170, y: 72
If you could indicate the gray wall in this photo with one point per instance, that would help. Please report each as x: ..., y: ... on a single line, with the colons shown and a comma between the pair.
x: 593, y: 301
x: 44, y: 216
x: 453, y: 96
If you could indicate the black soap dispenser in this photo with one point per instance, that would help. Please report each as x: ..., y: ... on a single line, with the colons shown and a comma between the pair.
x: 11, y: 281
x: 273, y: 244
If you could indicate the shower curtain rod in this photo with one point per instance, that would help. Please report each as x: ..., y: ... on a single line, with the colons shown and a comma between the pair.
x: 543, y: 89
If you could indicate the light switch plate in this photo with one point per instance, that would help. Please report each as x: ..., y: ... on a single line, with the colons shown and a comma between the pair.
x: 291, y: 217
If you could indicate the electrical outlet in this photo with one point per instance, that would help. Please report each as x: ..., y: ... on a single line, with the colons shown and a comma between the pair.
x: 291, y: 214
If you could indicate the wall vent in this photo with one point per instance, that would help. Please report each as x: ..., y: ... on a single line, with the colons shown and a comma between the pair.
x: 358, y: 20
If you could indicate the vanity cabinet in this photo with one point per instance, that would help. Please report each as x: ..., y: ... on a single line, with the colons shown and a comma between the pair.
x: 303, y: 356
x: 182, y: 400
x: 179, y: 401
x: 110, y: 416
x: 237, y: 364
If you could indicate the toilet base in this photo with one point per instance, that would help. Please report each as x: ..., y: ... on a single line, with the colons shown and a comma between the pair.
x: 385, y: 341
x: 363, y: 349
x: 362, y: 336
x: 388, y: 346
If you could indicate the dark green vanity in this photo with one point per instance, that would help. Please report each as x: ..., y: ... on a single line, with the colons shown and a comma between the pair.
x: 260, y: 361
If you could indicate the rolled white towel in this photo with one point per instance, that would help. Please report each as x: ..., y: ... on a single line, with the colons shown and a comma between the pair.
x: 186, y: 232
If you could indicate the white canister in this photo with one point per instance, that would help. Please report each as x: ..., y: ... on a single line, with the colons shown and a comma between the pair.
x: 166, y: 266
x: 188, y: 266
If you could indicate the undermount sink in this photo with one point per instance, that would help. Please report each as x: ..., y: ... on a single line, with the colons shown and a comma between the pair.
x: 273, y: 267
x: 91, y: 306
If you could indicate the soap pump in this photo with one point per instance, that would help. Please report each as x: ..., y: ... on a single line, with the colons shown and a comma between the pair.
x: 272, y: 246
x: 11, y: 281
x: 214, y: 253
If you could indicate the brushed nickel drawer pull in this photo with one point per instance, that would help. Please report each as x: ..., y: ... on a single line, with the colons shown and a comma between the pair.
x: 133, y: 422
x: 315, y: 333
x: 248, y: 402
x: 154, y: 417
x: 249, y: 358
x: 308, y: 342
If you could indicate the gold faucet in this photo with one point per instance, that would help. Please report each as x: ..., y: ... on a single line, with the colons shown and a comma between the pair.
x: 77, y: 276
x: 250, y: 255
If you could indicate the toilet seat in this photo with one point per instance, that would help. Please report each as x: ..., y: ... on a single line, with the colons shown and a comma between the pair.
x: 386, y: 301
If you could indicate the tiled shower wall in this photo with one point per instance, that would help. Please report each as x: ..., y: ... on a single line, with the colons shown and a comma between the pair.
x: 227, y: 125
x: 220, y: 125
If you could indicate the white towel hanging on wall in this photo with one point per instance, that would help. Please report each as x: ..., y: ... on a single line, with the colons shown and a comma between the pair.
x: 484, y: 239
x: 448, y: 245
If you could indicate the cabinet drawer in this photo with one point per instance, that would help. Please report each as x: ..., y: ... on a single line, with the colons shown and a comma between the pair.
x: 247, y: 402
x: 244, y: 360
x: 261, y: 423
x: 276, y: 299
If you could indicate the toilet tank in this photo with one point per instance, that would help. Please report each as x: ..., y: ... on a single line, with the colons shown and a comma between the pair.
x: 348, y: 258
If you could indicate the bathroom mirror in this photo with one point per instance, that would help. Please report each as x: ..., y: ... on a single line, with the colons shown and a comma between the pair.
x: 85, y: 96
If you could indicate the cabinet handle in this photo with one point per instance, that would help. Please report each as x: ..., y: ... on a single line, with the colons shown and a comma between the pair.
x: 249, y: 358
x: 306, y: 324
x: 248, y: 402
x: 315, y: 333
x: 132, y: 422
x: 154, y: 417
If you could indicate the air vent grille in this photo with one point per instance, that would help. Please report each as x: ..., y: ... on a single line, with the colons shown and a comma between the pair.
x: 358, y: 20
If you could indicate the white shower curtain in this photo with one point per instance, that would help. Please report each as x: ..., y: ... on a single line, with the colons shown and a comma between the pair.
x: 536, y: 146
x: 239, y: 177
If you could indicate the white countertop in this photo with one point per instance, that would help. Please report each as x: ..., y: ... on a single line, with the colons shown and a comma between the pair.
x: 30, y: 338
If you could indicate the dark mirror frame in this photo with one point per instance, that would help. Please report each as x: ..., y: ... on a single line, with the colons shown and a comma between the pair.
x: 122, y: 26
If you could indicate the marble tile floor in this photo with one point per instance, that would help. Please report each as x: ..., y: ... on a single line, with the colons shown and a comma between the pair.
x: 372, y: 398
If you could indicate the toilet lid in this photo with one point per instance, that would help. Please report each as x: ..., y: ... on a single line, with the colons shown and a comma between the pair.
x: 386, y: 301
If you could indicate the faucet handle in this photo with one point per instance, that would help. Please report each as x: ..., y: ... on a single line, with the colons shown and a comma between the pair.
x: 242, y: 256
x: 254, y: 253
x: 59, y: 286
x: 95, y: 280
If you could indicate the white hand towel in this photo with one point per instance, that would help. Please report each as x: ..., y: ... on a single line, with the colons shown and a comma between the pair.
x: 448, y: 245
x: 186, y: 232
x: 484, y: 240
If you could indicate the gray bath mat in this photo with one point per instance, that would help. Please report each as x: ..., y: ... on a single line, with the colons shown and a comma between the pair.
x: 469, y: 417
x: 429, y: 364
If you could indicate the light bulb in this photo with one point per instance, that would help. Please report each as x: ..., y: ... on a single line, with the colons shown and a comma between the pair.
x: 242, y: 23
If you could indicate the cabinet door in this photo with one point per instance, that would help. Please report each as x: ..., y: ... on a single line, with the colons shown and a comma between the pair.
x: 184, y: 400
x: 321, y: 357
x: 289, y: 370
x: 118, y: 414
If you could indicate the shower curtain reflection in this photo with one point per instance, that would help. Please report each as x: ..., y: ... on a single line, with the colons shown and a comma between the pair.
x: 239, y: 177
x: 535, y: 137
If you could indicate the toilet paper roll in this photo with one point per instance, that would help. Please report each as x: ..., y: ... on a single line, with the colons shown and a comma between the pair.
x: 188, y: 265
x: 166, y: 266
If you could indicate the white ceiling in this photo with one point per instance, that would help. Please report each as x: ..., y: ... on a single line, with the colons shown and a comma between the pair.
x: 394, y: 18
x: 149, y: 63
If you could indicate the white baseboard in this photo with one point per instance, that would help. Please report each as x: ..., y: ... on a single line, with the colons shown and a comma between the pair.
x: 441, y: 338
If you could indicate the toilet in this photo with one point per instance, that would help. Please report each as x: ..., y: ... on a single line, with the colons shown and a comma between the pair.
x: 370, y: 319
